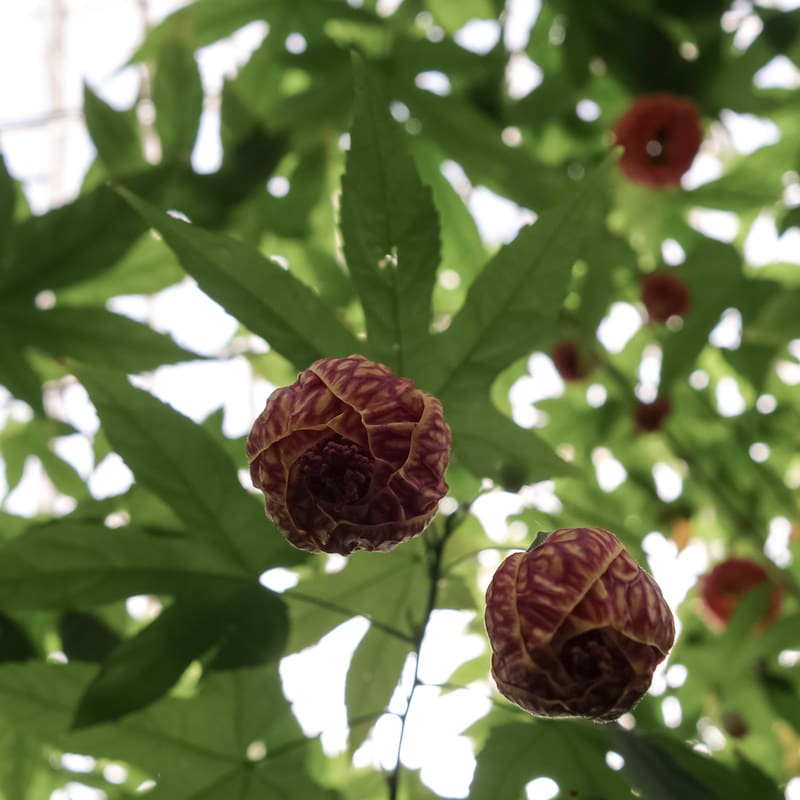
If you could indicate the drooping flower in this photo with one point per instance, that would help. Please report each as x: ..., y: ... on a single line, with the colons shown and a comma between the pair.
x: 350, y: 457
x: 722, y: 589
x: 576, y: 626
x: 660, y: 134
x: 665, y: 295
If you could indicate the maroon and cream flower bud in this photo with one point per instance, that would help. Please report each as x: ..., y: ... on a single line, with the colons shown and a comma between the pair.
x: 576, y: 626
x: 350, y: 457
x: 722, y: 589
x: 660, y: 134
x: 665, y: 295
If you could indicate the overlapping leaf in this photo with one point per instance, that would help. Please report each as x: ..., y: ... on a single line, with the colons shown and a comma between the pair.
x: 390, y: 231
x: 193, y: 746
x: 197, y: 479
x: 265, y: 297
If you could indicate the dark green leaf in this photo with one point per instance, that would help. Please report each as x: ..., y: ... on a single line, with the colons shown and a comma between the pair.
x: 512, y: 305
x: 664, y: 768
x: 115, y: 134
x: 75, y: 565
x: 15, y: 644
x: 8, y: 200
x: 197, y: 479
x: 93, y: 335
x: 491, y: 445
x: 140, y: 670
x: 148, y: 267
x: 190, y: 745
x: 262, y: 295
x: 86, y: 637
x: 791, y: 219
x: 91, y: 233
x: 712, y: 272
x: 178, y: 97
x: 389, y: 589
x: 462, y: 248
x: 390, y: 231
x: 472, y: 140
x: 257, y: 631
x: 18, y: 376
x: 571, y: 753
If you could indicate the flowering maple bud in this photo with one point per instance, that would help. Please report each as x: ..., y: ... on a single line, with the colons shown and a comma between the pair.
x: 665, y: 295
x: 660, y: 134
x: 722, y: 589
x: 350, y: 457
x: 576, y: 626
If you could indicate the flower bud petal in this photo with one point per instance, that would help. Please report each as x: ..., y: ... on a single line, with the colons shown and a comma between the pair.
x: 350, y: 457
x: 576, y: 626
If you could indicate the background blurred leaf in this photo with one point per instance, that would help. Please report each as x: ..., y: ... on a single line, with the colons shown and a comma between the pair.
x: 516, y: 753
x: 178, y: 97
x: 114, y: 133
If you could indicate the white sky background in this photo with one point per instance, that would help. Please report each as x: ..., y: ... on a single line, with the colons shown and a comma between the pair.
x: 50, y: 47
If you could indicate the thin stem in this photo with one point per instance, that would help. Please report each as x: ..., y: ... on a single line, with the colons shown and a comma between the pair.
x: 435, y: 553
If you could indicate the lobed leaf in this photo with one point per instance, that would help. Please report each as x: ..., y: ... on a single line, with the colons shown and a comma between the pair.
x: 197, y: 480
x: 65, y: 564
x: 390, y: 230
x: 262, y: 295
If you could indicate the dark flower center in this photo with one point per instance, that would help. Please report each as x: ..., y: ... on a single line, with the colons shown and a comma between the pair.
x: 588, y: 657
x: 657, y: 147
x: 337, y: 470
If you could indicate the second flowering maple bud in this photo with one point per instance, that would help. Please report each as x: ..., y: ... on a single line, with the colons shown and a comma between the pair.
x: 350, y: 457
x: 576, y: 626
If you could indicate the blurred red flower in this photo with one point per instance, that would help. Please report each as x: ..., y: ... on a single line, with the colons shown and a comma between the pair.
x: 649, y: 417
x: 722, y: 589
x: 665, y: 295
x: 570, y: 363
x: 660, y: 134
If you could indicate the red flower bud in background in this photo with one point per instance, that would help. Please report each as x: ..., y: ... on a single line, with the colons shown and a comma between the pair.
x: 576, y: 626
x: 350, y: 457
x: 723, y: 588
x: 571, y: 364
x: 660, y: 134
x: 649, y: 417
x: 665, y: 295
x: 735, y: 724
